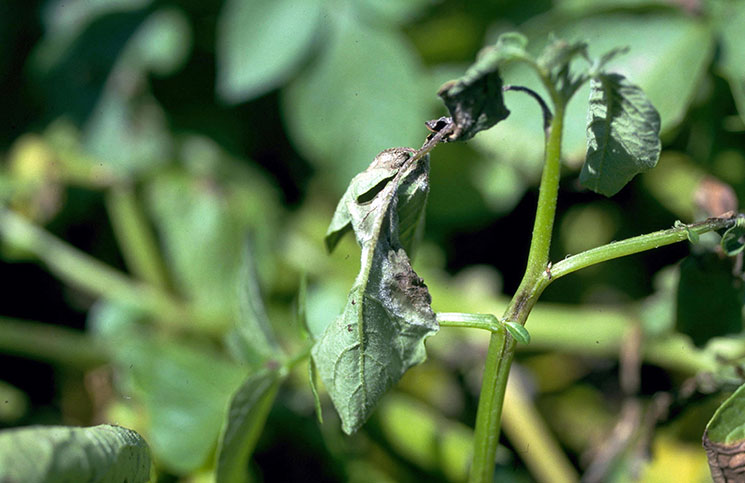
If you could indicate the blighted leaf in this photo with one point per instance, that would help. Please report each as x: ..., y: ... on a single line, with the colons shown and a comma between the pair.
x: 475, y: 100
x: 724, y: 439
x: 732, y: 240
x: 709, y: 298
x: 623, y: 134
x: 38, y: 454
x: 244, y: 423
x: 380, y: 334
x: 412, y: 197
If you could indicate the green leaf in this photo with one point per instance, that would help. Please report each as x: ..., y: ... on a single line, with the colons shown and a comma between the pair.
x: 39, y: 454
x: 731, y: 62
x: 709, y: 299
x: 183, y: 387
x: 558, y: 53
x: 393, y: 11
x: 202, y: 222
x: 475, y: 100
x: 366, y: 92
x: 381, y: 332
x: 733, y: 239
x: 260, y: 44
x: 724, y: 439
x: 412, y: 198
x: 623, y: 134
x: 249, y: 408
x: 669, y: 55
x: 253, y: 325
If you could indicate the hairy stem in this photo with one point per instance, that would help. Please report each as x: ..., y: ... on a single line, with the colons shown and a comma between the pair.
x: 502, y: 348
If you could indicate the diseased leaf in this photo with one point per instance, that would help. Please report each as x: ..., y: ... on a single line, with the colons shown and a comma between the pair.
x: 724, y: 439
x: 623, y: 134
x: 249, y: 408
x: 39, y: 454
x: 732, y: 240
x: 475, y: 100
x: 381, y: 332
x: 709, y: 298
x: 412, y: 198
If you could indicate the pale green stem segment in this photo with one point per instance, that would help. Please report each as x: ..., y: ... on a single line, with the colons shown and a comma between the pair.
x: 532, y: 438
x: 136, y: 240
x: 50, y: 343
x: 93, y: 276
x: 470, y: 321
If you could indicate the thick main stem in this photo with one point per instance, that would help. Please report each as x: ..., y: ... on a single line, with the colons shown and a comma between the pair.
x: 502, y: 348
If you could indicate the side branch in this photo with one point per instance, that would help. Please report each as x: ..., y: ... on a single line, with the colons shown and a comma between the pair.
x: 636, y: 244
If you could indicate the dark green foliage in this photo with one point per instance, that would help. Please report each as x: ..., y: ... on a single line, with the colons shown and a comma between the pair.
x: 709, y: 298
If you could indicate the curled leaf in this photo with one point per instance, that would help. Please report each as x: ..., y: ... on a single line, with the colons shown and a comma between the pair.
x: 733, y: 240
x: 380, y: 334
x: 724, y: 439
x: 475, y: 100
x: 623, y: 134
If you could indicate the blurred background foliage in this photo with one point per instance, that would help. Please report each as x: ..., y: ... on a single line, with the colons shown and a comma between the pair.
x: 151, y: 149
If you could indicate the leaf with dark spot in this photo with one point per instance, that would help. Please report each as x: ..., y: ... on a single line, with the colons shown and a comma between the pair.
x: 475, y: 100
x: 381, y: 332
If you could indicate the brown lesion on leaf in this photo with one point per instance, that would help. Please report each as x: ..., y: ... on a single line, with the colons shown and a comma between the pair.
x: 413, y: 288
x: 726, y: 461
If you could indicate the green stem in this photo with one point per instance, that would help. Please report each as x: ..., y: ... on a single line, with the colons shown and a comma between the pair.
x: 636, y: 244
x: 49, y: 343
x: 135, y: 238
x: 502, y: 347
x: 469, y: 321
x: 89, y: 274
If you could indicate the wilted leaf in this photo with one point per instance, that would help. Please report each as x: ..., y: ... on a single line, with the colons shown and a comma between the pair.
x: 244, y: 422
x: 381, y: 332
x: 732, y: 240
x: 40, y: 454
x: 412, y: 198
x: 623, y: 134
x: 475, y: 100
x: 261, y: 42
x: 724, y: 439
x: 709, y: 299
